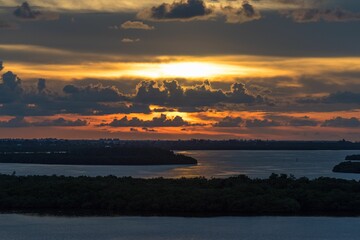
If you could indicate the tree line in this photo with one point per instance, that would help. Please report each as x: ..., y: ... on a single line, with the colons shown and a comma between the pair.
x: 240, y: 195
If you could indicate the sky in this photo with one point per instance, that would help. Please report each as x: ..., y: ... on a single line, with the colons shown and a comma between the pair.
x: 183, y: 69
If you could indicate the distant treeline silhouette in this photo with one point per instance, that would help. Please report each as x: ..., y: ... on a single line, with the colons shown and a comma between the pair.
x: 347, y: 167
x: 277, y: 195
x: 195, y: 144
x: 87, y: 153
x: 352, y: 157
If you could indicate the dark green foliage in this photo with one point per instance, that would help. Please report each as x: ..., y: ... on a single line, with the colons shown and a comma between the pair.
x: 278, y: 195
x: 347, y: 167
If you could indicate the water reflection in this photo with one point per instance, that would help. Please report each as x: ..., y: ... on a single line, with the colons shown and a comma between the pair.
x: 256, y: 164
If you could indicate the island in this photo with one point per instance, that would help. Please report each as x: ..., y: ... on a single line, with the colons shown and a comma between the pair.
x: 347, y: 167
x: 353, y: 157
x: 234, y: 196
x: 88, y: 153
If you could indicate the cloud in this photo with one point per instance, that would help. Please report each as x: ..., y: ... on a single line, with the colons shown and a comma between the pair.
x: 269, y: 122
x: 172, y: 94
x: 293, y: 121
x: 93, y: 93
x: 14, y: 123
x: 1, y: 65
x: 41, y: 86
x: 148, y: 129
x: 37, y: 100
x: 161, y: 121
x: 340, y: 97
x: 19, y: 122
x: 61, y: 122
x: 10, y: 88
x: 257, y: 123
x: 229, y: 122
x: 316, y: 15
x: 340, y: 122
x: 239, y: 94
x: 245, y: 13
x: 134, y: 130
x: 185, y: 10
x: 302, y: 122
x: 136, y: 25
x: 11, y: 81
x: 31, y: 98
x: 130, y: 40
x: 25, y: 11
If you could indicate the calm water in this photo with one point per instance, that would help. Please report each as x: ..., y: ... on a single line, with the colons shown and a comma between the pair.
x: 20, y: 227
x: 211, y: 164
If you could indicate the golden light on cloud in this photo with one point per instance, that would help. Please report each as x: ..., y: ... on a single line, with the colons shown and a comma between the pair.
x: 150, y: 70
x: 192, y: 70
x: 72, y: 65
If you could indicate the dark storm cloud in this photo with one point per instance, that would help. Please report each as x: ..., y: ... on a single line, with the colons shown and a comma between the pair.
x: 26, y: 12
x: 18, y: 122
x: 10, y: 88
x: 161, y: 121
x: 340, y: 122
x: 245, y: 13
x: 172, y: 94
x: 17, y: 100
x: 93, y: 98
x: 95, y: 93
x: 11, y: 81
x: 183, y: 10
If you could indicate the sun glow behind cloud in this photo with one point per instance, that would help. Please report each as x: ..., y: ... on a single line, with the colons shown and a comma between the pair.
x: 192, y: 70
x: 180, y: 67
x: 137, y: 70
x: 64, y: 65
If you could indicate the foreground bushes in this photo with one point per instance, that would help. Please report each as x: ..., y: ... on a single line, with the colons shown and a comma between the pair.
x: 278, y: 195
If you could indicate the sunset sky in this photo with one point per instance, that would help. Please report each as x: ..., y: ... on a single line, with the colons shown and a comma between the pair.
x: 213, y: 69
